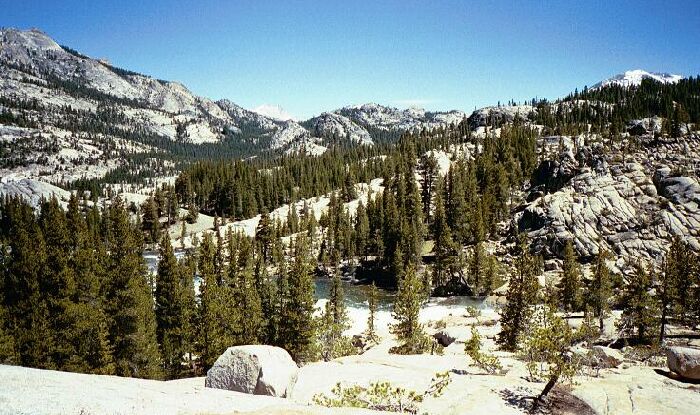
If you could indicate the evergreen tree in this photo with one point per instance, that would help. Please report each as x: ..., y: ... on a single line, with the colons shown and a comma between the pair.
x: 150, y: 219
x: 570, y: 282
x: 264, y: 236
x: 26, y: 307
x: 407, y: 329
x: 480, y: 264
x: 8, y: 355
x: 267, y: 292
x: 334, y: 322
x: 348, y: 192
x: 372, y: 299
x: 546, y: 346
x: 129, y: 305
x: 249, y: 304
x: 213, y: 325
x: 599, y: 291
x: 521, y: 295
x: 491, y: 275
x: 457, y: 208
x: 639, y: 308
x: 445, y: 248
x: 57, y: 284
x: 361, y: 230
x: 192, y: 211
x: 681, y: 282
x: 297, y: 328
x: 429, y: 166
x: 92, y: 351
x: 188, y: 274
x: 171, y: 317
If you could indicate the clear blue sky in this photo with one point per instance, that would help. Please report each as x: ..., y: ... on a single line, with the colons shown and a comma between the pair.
x: 310, y: 56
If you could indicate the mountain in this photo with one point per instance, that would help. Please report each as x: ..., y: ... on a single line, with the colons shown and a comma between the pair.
x: 369, y: 123
x: 273, y: 111
x: 635, y: 77
x: 379, y: 116
x: 60, y: 92
x: 66, y: 117
x: 34, y: 67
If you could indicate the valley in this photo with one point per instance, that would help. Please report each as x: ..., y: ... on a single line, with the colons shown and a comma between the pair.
x: 527, y: 257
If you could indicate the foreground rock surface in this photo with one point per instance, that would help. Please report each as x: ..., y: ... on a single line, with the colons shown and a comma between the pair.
x: 684, y: 361
x: 47, y: 392
x: 631, y: 388
x: 637, y: 390
x: 254, y: 369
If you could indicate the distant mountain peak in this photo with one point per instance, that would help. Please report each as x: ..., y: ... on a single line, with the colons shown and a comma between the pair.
x: 635, y: 77
x: 274, y: 111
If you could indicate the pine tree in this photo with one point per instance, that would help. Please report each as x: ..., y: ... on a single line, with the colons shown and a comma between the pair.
x: 213, y: 340
x: 57, y: 284
x: 249, y: 303
x: 8, y: 355
x: 479, y: 267
x: 491, y: 275
x: 183, y: 233
x: 92, y: 351
x: 132, y: 325
x: 334, y: 322
x: 267, y: 291
x: 681, y: 265
x: 264, y: 237
x: 398, y: 265
x: 297, y: 329
x: 456, y: 206
x: 445, y: 248
x: 279, y: 332
x: 372, y: 299
x: 599, y: 290
x: 349, y: 193
x: 171, y: 315
x: 188, y: 274
x: 570, y: 282
x: 192, y: 210
x: 414, y: 233
x: 150, y: 220
x: 407, y: 304
x: 639, y: 308
x: 546, y: 347
x: 521, y: 294
x: 676, y: 276
x: 430, y: 172
x: 27, y: 310
x: 361, y: 230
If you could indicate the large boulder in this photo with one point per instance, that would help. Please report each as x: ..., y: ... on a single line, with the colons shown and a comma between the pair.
x: 449, y: 335
x: 684, y: 361
x: 254, y: 369
x: 444, y: 337
x: 605, y: 357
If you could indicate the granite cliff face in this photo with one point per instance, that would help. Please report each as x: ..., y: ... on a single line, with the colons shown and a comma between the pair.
x: 629, y: 198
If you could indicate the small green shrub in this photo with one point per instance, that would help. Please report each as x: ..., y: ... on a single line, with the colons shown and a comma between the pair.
x: 382, y: 396
x: 488, y: 363
x: 473, y: 312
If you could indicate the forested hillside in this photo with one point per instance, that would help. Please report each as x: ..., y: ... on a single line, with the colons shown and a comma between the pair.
x: 542, y: 213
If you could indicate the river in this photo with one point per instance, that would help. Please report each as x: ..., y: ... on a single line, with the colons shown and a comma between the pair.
x: 356, y: 300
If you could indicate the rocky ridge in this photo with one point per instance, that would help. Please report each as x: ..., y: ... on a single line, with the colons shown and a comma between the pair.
x: 626, y: 202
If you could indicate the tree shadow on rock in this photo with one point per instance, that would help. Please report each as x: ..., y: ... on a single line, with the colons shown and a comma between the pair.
x: 558, y: 402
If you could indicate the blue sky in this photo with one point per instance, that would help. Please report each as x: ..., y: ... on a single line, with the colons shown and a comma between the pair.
x: 311, y: 56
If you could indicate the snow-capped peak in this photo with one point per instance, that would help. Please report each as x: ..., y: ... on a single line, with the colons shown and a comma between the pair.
x: 635, y: 77
x: 273, y: 111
